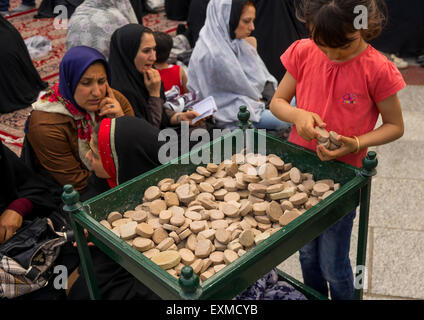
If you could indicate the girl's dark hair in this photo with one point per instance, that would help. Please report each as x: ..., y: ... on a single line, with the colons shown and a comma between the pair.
x: 164, y: 46
x: 331, y: 21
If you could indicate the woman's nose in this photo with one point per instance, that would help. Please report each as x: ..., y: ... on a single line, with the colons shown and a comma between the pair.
x: 95, y: 91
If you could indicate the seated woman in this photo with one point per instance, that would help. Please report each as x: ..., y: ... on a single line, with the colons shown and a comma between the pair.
x: 22, y: 194
x: 93, y: 23
x: 132, y: 55
x: 60, y: 125
x: 23, y: 197
x: 20, y: 83
x: 115, y: 161
x: 226, y: 65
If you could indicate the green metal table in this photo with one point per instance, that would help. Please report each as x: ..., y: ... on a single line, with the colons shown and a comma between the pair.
x: 237, y: 276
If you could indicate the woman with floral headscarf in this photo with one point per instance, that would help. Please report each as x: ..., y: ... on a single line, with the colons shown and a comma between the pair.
x: 94, y: 21
x: 62, y: 120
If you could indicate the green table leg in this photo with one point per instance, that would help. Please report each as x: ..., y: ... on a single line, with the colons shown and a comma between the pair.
x: 72, y: 205
x: 368, y: 170
x: 362, y: 240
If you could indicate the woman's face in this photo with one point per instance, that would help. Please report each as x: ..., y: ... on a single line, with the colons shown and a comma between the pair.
x: 91, y: 89
x: 146, y: 55
x: 246, y: 25
x: 93, y: 157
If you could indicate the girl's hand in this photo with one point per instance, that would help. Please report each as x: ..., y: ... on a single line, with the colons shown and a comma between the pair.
x: 349, y: 145
x: 305, y: 123
x: 153, y: 82
x: 109, y: 106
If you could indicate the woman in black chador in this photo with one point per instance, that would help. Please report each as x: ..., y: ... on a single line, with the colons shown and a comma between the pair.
x: 20, y: 82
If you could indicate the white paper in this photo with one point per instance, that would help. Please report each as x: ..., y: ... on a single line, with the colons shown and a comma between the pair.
x: 205, y: 108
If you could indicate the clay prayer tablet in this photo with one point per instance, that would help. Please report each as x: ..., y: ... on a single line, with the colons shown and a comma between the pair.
x: 274, y: 211
x: 167, y: 259
x: 113, y: 216
x: 152, y: 193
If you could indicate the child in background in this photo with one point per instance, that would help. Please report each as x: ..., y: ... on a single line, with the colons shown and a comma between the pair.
x: 342, y: 84
x: 171, y: 75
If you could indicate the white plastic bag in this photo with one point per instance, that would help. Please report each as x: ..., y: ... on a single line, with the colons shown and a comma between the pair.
x: 38, y: 46
x: 156, y: 4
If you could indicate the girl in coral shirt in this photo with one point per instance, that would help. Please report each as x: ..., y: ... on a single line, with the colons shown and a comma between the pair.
x: 342, y: 84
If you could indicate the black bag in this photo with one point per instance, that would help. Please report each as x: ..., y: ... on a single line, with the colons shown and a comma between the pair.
x: 26, y: 259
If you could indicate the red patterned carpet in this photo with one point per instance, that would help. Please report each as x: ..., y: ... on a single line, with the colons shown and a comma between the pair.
x: 12, y: 124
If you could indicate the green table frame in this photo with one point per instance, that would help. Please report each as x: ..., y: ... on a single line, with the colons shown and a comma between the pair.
x: 236, y: 277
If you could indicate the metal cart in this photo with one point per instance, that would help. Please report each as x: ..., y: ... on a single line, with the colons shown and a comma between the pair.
x: 237, y: 276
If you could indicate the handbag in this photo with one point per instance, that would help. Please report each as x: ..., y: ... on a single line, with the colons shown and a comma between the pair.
x: 27, y: 258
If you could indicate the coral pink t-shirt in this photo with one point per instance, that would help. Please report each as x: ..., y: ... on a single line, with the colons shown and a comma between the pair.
x: 343, y: 94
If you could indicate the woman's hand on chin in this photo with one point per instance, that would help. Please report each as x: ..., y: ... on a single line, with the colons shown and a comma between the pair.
x: 153, y: 82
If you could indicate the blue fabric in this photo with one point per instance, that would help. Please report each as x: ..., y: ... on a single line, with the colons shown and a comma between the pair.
x: 73, y: 65
x: 270, y: 122
x: 326, y: 259
x: 269, y: 288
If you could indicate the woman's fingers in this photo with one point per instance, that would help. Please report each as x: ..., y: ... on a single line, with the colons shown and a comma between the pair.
x: 105, y: 102
x: 109, y: 91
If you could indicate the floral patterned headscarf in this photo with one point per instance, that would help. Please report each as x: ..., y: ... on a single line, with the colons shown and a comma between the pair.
x: 94, y: 21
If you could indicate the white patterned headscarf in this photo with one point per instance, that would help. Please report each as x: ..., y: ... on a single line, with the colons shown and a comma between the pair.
x: 94, y: 21
x: 229, y: 70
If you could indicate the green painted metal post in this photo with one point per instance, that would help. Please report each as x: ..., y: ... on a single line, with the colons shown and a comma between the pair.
x: 368, y: 170
x: 189, y: 283
x: 244, y: 123
x: 244, y: 116
x: 72, y: 205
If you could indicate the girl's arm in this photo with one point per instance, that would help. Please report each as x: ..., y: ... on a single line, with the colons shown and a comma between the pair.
x: 304, y: 121
x: 391, y: 129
